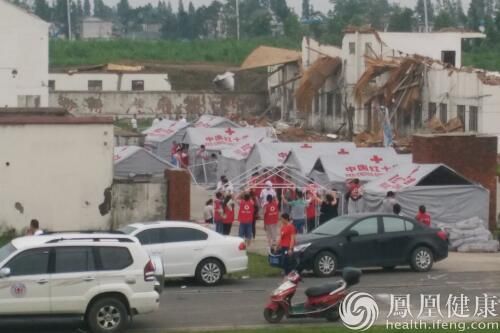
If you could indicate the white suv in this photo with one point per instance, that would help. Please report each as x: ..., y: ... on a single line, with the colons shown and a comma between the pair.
x: 103, y: 278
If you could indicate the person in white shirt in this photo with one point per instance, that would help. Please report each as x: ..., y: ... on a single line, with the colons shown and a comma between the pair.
x: 267, y: 191
x: 183, y: 120
x: 208, y: 212
x: 133, y: 123
x: 156, y: 121
x: 34, y: 229
x: 224, y: 186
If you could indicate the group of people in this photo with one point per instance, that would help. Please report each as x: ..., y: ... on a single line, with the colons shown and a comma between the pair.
x: 303, y: 207
x: 391, y: 206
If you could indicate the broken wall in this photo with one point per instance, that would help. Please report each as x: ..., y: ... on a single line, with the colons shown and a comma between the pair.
x: 59, y: 174
x: 474, y: 157
x: 138, y: 202
x: 189, y: 104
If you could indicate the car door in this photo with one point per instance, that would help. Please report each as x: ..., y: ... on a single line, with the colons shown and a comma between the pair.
x: 363, y: 249
x: 27, y: 289
x: 73, y: 279
x: 183, y: 249
x: 394, y: 240
x: 151, y: 241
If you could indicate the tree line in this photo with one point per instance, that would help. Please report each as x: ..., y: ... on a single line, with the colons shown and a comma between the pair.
x: 260, y: 18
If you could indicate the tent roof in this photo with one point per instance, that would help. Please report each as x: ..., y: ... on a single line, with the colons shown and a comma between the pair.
x: 121, y: 153
x: 363, y: 163
x: 208, y: 121
x: 307, y: 154
x: 224, y: 138
x: 164, y: 130
x: 410, y: 175
x: 264, y: 56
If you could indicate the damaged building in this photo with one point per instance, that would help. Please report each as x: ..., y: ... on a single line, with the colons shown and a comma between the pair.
x: 417, y: 77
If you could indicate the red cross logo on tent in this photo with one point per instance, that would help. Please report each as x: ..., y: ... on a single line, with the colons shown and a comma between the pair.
x: 343, y: 152
x: 229, y: 131
x: 376, y: 159
x: 305, y: 145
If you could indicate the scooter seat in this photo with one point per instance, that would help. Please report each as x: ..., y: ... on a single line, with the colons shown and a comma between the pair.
x: 323, y: 290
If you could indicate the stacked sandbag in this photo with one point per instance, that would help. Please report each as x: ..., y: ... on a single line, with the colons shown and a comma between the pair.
x: 471, y: 235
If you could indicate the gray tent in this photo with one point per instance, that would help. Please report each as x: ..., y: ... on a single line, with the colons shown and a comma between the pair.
x: 133, y: 160
x: 448, y: 196
x: 209, y: 121
x: 304, y: 157
x: 160, y: 137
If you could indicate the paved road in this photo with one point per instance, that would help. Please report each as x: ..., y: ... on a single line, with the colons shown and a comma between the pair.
x: 241, y: 302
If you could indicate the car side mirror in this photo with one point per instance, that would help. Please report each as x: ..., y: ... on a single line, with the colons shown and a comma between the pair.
x: 4, y: 272
x: 352, y: 233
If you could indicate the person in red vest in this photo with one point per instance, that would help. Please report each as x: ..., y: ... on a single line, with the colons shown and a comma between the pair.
x: 218, y: 212
x: 287, y: 242
x: 228, y: 218
x: 423, y: 217
x: 312, y: 205
x: 245, y: 217
x: 271, y: 217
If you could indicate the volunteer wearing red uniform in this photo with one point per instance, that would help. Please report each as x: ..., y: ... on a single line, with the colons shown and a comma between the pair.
x: 228, y: 220
x: 423, y: 217
x: 271, y: 217
x: 287, y: 242
x: 218, y: 212
x: 245, y: 217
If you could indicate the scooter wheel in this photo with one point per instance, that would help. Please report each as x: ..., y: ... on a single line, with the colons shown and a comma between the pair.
x: 332, y: 314
x: 274, y: 316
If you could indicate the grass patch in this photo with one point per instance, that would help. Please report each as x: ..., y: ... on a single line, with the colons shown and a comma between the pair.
x: 258, y: 267
x: 78, y: 52
x: 6, y: 236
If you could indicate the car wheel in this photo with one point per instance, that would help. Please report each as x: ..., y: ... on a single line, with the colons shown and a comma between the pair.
x: 210, y: 272
x: 274, y: 316
x: 325, y: 264
x: 422, y: 259
x: 107, y: 315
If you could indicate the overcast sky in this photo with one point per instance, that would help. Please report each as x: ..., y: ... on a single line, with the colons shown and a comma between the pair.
x: 321, y: 5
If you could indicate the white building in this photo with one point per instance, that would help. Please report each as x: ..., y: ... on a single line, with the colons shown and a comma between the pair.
x: 95, y: 28
x: 106, y: 80
x: 24, y: 58
x: 57, y: 169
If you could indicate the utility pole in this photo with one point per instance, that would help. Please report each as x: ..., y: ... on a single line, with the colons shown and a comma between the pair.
x: 425, y: 17
x: 238, y: 19
x: 68, y: 13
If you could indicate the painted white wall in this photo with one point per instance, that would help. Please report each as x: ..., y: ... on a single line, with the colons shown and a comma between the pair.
x: 25, y: 48
x: 312, y: 50
x: 57, y: 173
x: 93, y: 28
x: 110, y: 81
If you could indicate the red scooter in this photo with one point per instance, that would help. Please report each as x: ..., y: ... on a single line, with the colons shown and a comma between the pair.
x: 322, y: 302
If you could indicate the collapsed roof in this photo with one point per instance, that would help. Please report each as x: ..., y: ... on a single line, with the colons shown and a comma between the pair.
x: 264, y: 56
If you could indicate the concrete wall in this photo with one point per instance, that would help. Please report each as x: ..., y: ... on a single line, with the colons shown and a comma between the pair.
x: 166, y: 103
x: 475, y: 157
x: 96, y: 28
x: 110, y: 81
x: 57, y: 174
x: 138, y: 202
x: 25, y: 49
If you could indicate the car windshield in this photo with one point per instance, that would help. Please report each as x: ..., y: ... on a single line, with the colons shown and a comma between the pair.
x: 127, y: 230
x: 335, y: 226
x: 6, y: 251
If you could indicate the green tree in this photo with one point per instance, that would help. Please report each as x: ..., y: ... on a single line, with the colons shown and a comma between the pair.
x: 42, y: 9
x: 86, y: 8
x: 292, y: 27
x: 420, y: 11
x: 401, y: 19
x: 124, y: 12
x: 101, y: 10
x: 182, y: 22
x: 280, y: 8
x: 306, y: 9
x: 444, y: 20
